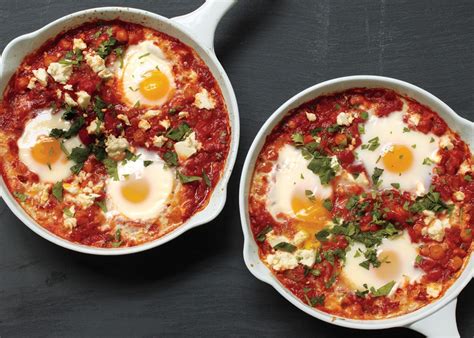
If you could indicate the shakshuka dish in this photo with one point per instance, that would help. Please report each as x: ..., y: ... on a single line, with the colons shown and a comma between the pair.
x: 113, y: 134
x: 361, y: 203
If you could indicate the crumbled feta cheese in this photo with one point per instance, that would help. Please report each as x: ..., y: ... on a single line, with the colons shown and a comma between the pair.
x: 151, y: 113
x: 159, y: 141
x: 183, y: 114
x: 144, y: 125
x: 39, y: 192
x: 95, y: 127
x: 458, y: 196
x: 124, y: 118
x: 165, y: 123
x: 344, y: 119
x: 41, y: 75
x: 83, y: 99
x: 436, y: 157
x: 445, y: 142
x: 362, y: 179
x: 71, y: 188
x: 306, y: 257
x: 69, y: 100
x: 282, y: 261
x: 60, y: 72
x: 414, y: 119
x: 297, y: 239
x: 68, y: 87
x: 78, y: 44
x: 187, y: 147
x: 31, y: 83
x: 59, y: 93
x: 335, y: 165
x: 98, y: 65
x: 465, y: 168
x: 434, y: 289
x: 311, y: 117
x: 436, y: 229
x: 82, y: 199
x: 115, y: 147
x: 203, y: 100
x: 70, y: 221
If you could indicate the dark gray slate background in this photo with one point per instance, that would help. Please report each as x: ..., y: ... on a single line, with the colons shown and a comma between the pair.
x: 198, y: 284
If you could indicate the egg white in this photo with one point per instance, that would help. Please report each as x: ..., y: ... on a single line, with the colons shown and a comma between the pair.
x: 390, y: 131
x: 137, y: 61
x: 406, y: 252
x: 290, y: 177
x: 160, y: 181
x: 40, y: 126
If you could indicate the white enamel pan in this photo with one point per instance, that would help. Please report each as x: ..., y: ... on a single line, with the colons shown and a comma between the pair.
x: 195, y: 29
x: 435, y: 320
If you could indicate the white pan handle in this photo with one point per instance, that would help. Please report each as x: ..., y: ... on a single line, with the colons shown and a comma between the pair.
x: 442, y: 323
x: 203, y: 21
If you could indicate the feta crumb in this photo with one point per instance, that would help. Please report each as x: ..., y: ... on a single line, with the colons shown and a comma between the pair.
x: 159, y: 141
x: 32, y: 82
x: 144, y: 125
x: 39, y: 192
x: 414, y: 119
x: 183, y: 114
x: 82, y: 199
x: 124, y: 118
x: 299, y: 238
x: 165, y: 123
x: 335, y: 165
x: 115, y: 147
x: 187, y: 147
x: 95, y: 127
x: 420, y: 189
x: 69, y: 100
x: 151, y: 113
x: 434, y: 289
x: 71, y: 188
x: 78, y: 44
x: 458, y: 196
x: 83, y: 99
x: 445, y: 142
x: 98, y: 65
x: 306, y: 257
x: 60, y: 72
x: 59, y: 93
x: 345, y: 119
x: 203, y: 100
x: 68, y: 87
x: 465, y: 168
x: 282, y: 261
x: 362, y: 179
x: 311, y: 117
x: 70, y: 221
x: 436, y: 157
x: 41, y: 75
x: 436, y: 229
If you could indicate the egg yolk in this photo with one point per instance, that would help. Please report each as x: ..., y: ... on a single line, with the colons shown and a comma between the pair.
x: 398, y: 159
x: 135, y: 191
x: 155, y: 85
x: 390, y: 267
x: 47, y: 150
x: 311, y: 214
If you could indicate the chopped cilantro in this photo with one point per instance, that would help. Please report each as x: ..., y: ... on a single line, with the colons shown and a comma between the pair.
x: 321, y: 166
x: 364, y: 115
x: 406, y: 130
x: 284, y: 246
x: 383, y: 290
x: 187, y: 179
x: 146, y: 163
x: 111, y: 167
x: 297, y: 139
x: 322, y: 235
x: 105, y: 48
x: 171, y: 158
x: 179, y: 133
x: 428, y: 161
x: 262, y: 235
x: 467, y: 178
x: 327, y: 203
x: 206, y: 178
x: 395, y: 185
x: 101, y: 205
x: 58, y: 190
x: 21, y: 197
x: 376, y: 175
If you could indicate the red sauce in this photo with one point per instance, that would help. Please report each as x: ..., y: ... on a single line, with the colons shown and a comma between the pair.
x: 441, y: 262
x: 211, y: 126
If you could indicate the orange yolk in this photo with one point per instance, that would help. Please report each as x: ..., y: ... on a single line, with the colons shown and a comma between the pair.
x: 390, y: 267
x: 155, y: 85
x: 47, y: 150
x: 399, y: 159
x: 311, y: 213
x: 135, y: 191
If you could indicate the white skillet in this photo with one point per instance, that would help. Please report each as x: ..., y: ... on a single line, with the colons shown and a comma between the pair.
x: 195, y: 29
x: 438, y: 319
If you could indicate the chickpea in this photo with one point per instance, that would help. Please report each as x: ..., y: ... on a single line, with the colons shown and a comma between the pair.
x: 22, y: 82
x: 455, y: 263
x: 48, y: 59
x: 425, y: 251
x: 437, y: 251
x: 121, y: 35
x: 340, y: 139
x: 65, y: 44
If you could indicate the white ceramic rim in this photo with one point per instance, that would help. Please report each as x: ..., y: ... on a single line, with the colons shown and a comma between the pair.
x: 250, y: 251
x: 201, y: 35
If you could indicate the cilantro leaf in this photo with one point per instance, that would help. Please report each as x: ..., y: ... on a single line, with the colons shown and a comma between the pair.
x: 57, y: 190
x: 262, y: 235
x: 178, y: 133
x: 171, y: 158
x: 111, y: 167
x: 187, y: 179
x: 383, y: 290
x: 284, y: 246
